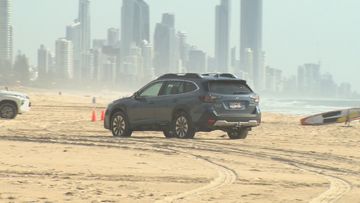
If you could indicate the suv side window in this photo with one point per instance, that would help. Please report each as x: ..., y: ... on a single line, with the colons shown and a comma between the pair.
x: 152, y: 91
x: 177, y: 87
x: 189, y: 87
x: 172, y: 87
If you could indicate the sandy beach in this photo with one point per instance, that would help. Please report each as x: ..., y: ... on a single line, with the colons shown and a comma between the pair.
x: 55, y: 154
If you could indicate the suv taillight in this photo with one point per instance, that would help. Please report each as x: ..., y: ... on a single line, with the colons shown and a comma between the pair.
x: 255, y: 98
x: 208, y: 99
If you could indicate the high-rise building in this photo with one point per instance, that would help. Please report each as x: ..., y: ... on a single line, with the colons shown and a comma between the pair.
x: 251, y: 25
x: 233, y: 60
x: 248, y: 63
x: 85, y: 25
x: 64, y: 59
x: 309, y: 78
x: 251, y: 38
x: 113, y: 35
x: 99, y: 43
x: 344, y: 90
x: 273, y: 80
x: 73, y: 34
x: 197, y: 61
x: 328, y: 87
x: 132, y: 67
x: 85, y: 39
x: 135, y: 24
x: 147, y: 73
x: 44, y: 62
x: 166, y: 51
x: 183, y: 50
x: 211, y: 65
x: 6, y: 34
x: 260, y: 72
x: 222, y: 36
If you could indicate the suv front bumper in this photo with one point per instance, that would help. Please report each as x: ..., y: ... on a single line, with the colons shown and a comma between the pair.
x: 107, y: 119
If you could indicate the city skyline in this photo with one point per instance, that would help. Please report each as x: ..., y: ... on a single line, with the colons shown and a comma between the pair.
x: 327, y: 66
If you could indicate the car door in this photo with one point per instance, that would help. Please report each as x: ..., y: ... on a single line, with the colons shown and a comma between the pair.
x: 167, y: 101
x: 141, y: 112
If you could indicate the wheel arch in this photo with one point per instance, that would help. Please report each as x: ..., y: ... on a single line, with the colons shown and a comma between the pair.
x: 118, y: 109
x: 179, y: 109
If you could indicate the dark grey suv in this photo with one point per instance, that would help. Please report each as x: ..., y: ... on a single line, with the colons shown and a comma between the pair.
x: 182, y: 104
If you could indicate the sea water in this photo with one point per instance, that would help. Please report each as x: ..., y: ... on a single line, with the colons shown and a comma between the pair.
x: 306, y: 106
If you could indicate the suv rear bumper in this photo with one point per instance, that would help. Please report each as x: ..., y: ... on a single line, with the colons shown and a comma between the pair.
x: 224, y: 123
x: 210, y: 121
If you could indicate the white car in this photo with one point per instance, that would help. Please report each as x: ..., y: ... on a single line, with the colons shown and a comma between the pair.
x: 13, y: 103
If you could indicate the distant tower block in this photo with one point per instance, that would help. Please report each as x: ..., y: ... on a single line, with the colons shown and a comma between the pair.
x: 251, y: 38
x: 64, y: 59
x: 222, y: 36
x: 6, y: 32
x: 135, y: 24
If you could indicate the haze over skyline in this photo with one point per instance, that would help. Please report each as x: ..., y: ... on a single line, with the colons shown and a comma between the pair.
x: 295, y: 32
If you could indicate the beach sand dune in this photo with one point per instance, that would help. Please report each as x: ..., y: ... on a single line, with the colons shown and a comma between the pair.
x: 55, y: 154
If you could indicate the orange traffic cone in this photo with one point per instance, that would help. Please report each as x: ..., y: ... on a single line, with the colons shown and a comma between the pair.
x: 93, y: 117
x: 102, y: 115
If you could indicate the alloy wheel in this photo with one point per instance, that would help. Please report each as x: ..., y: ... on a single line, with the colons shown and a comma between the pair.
x: 7, y: 112
x: 182, y: 127
x: 119, y: 125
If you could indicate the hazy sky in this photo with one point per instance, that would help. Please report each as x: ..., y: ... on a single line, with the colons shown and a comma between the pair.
x: 295, y: 31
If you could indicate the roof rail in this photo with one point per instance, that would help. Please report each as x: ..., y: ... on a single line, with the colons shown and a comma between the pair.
x: 218, y: 75
x: 180, y: 75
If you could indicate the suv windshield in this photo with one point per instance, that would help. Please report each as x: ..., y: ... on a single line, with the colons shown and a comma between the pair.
x: 229, y: 87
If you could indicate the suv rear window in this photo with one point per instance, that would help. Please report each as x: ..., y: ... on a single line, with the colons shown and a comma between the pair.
x: 229, y: 87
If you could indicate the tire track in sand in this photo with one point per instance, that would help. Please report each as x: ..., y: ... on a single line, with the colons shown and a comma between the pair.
x: 338, y: 187
x: 225, y: 177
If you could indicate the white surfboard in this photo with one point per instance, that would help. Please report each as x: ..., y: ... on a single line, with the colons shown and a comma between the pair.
x: 339, y: 116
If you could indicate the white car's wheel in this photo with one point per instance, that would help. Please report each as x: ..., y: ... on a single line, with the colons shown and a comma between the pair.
x: 8, y: 110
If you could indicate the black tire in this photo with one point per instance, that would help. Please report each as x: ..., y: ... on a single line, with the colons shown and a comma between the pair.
x: 182, y: 126
x: 168, y: 134
x: 8, y: 111
x: 238, y: 134
x: 120, y: 125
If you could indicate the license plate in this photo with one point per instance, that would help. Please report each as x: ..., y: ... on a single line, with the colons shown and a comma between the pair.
x: 235, y: 105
